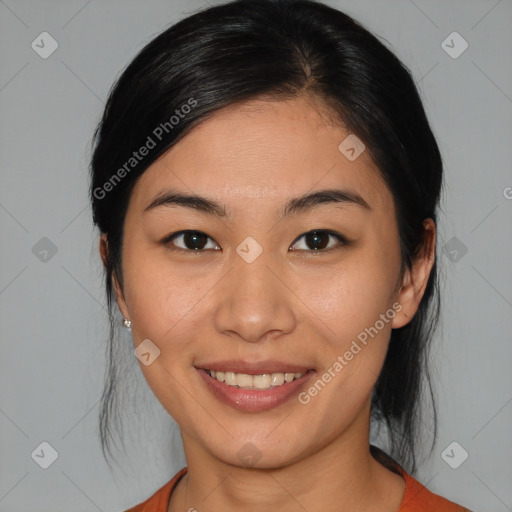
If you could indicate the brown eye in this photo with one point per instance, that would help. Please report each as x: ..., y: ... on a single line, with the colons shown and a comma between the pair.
x: 318, y: 240
x: 190, y: 240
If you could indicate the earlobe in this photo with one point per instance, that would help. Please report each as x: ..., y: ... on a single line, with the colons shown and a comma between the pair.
x: 416, y: 278
x: 121, y: 303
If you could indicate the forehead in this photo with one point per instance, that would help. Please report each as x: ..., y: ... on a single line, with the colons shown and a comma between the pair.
x: 267, y: 150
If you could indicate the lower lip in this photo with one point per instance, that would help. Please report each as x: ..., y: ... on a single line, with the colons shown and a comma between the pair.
x: 252, y: 400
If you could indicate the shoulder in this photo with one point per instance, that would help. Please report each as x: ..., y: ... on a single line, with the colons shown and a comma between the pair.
x: 159, y: 501
x: 418, y: 498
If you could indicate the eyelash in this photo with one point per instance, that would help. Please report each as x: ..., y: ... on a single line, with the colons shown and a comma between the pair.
x: 168, y: 239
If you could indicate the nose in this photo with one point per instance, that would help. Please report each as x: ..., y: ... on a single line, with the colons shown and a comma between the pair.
x: 253, y: 301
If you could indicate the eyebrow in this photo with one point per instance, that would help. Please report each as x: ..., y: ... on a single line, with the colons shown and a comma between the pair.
x: 293, y: 206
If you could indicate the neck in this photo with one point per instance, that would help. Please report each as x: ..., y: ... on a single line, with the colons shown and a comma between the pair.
x: 341, y: 476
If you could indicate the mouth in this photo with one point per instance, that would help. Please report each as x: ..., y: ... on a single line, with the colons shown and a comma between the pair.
x: 255, y: 392
x: 259, y: 381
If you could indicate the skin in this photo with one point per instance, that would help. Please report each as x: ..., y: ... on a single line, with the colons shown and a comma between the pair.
x: 298, y: 306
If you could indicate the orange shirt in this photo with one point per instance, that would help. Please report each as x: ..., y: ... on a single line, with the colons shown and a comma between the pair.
x: 417, y: 498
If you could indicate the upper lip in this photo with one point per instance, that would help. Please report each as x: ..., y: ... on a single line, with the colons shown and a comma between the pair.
x: 255, y: 368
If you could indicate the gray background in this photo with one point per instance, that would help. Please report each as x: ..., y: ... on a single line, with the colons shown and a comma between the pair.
x: 52, y: 310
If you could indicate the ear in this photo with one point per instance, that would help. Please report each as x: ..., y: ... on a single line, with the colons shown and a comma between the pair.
x: 415, y: 279
x: 121, y: 303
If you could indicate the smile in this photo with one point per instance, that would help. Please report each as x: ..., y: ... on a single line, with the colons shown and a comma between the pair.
x: 257, y: 393
x: 263, y: 381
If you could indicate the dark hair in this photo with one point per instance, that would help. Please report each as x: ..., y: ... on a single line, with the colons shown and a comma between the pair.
x: 273, y: 49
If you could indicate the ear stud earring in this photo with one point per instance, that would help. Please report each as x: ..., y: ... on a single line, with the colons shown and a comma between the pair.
x: 127, y: 323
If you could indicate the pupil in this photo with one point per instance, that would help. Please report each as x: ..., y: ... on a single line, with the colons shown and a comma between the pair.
x: 314, y: 238
x: 192, y: 239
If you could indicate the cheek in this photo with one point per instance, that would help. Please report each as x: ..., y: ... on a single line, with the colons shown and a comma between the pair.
x: 163, y: 303
x: 351, y: 297
x: 156, y: 289
x: 352, y: 310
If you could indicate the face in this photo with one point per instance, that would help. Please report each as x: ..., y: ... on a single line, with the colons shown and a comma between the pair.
x: 262, y: 288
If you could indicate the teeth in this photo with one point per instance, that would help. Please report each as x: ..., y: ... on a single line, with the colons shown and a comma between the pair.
x: 245, y: 381
x: 264, y: 381
x: 230, y: 378
x: 260, y: 381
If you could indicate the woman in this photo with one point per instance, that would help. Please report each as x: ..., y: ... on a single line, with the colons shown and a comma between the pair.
x: 266, y: 185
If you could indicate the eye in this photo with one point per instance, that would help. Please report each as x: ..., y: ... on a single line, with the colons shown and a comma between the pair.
x: 197, y: 241
x: 193, y: 241
x: 318, y: 239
